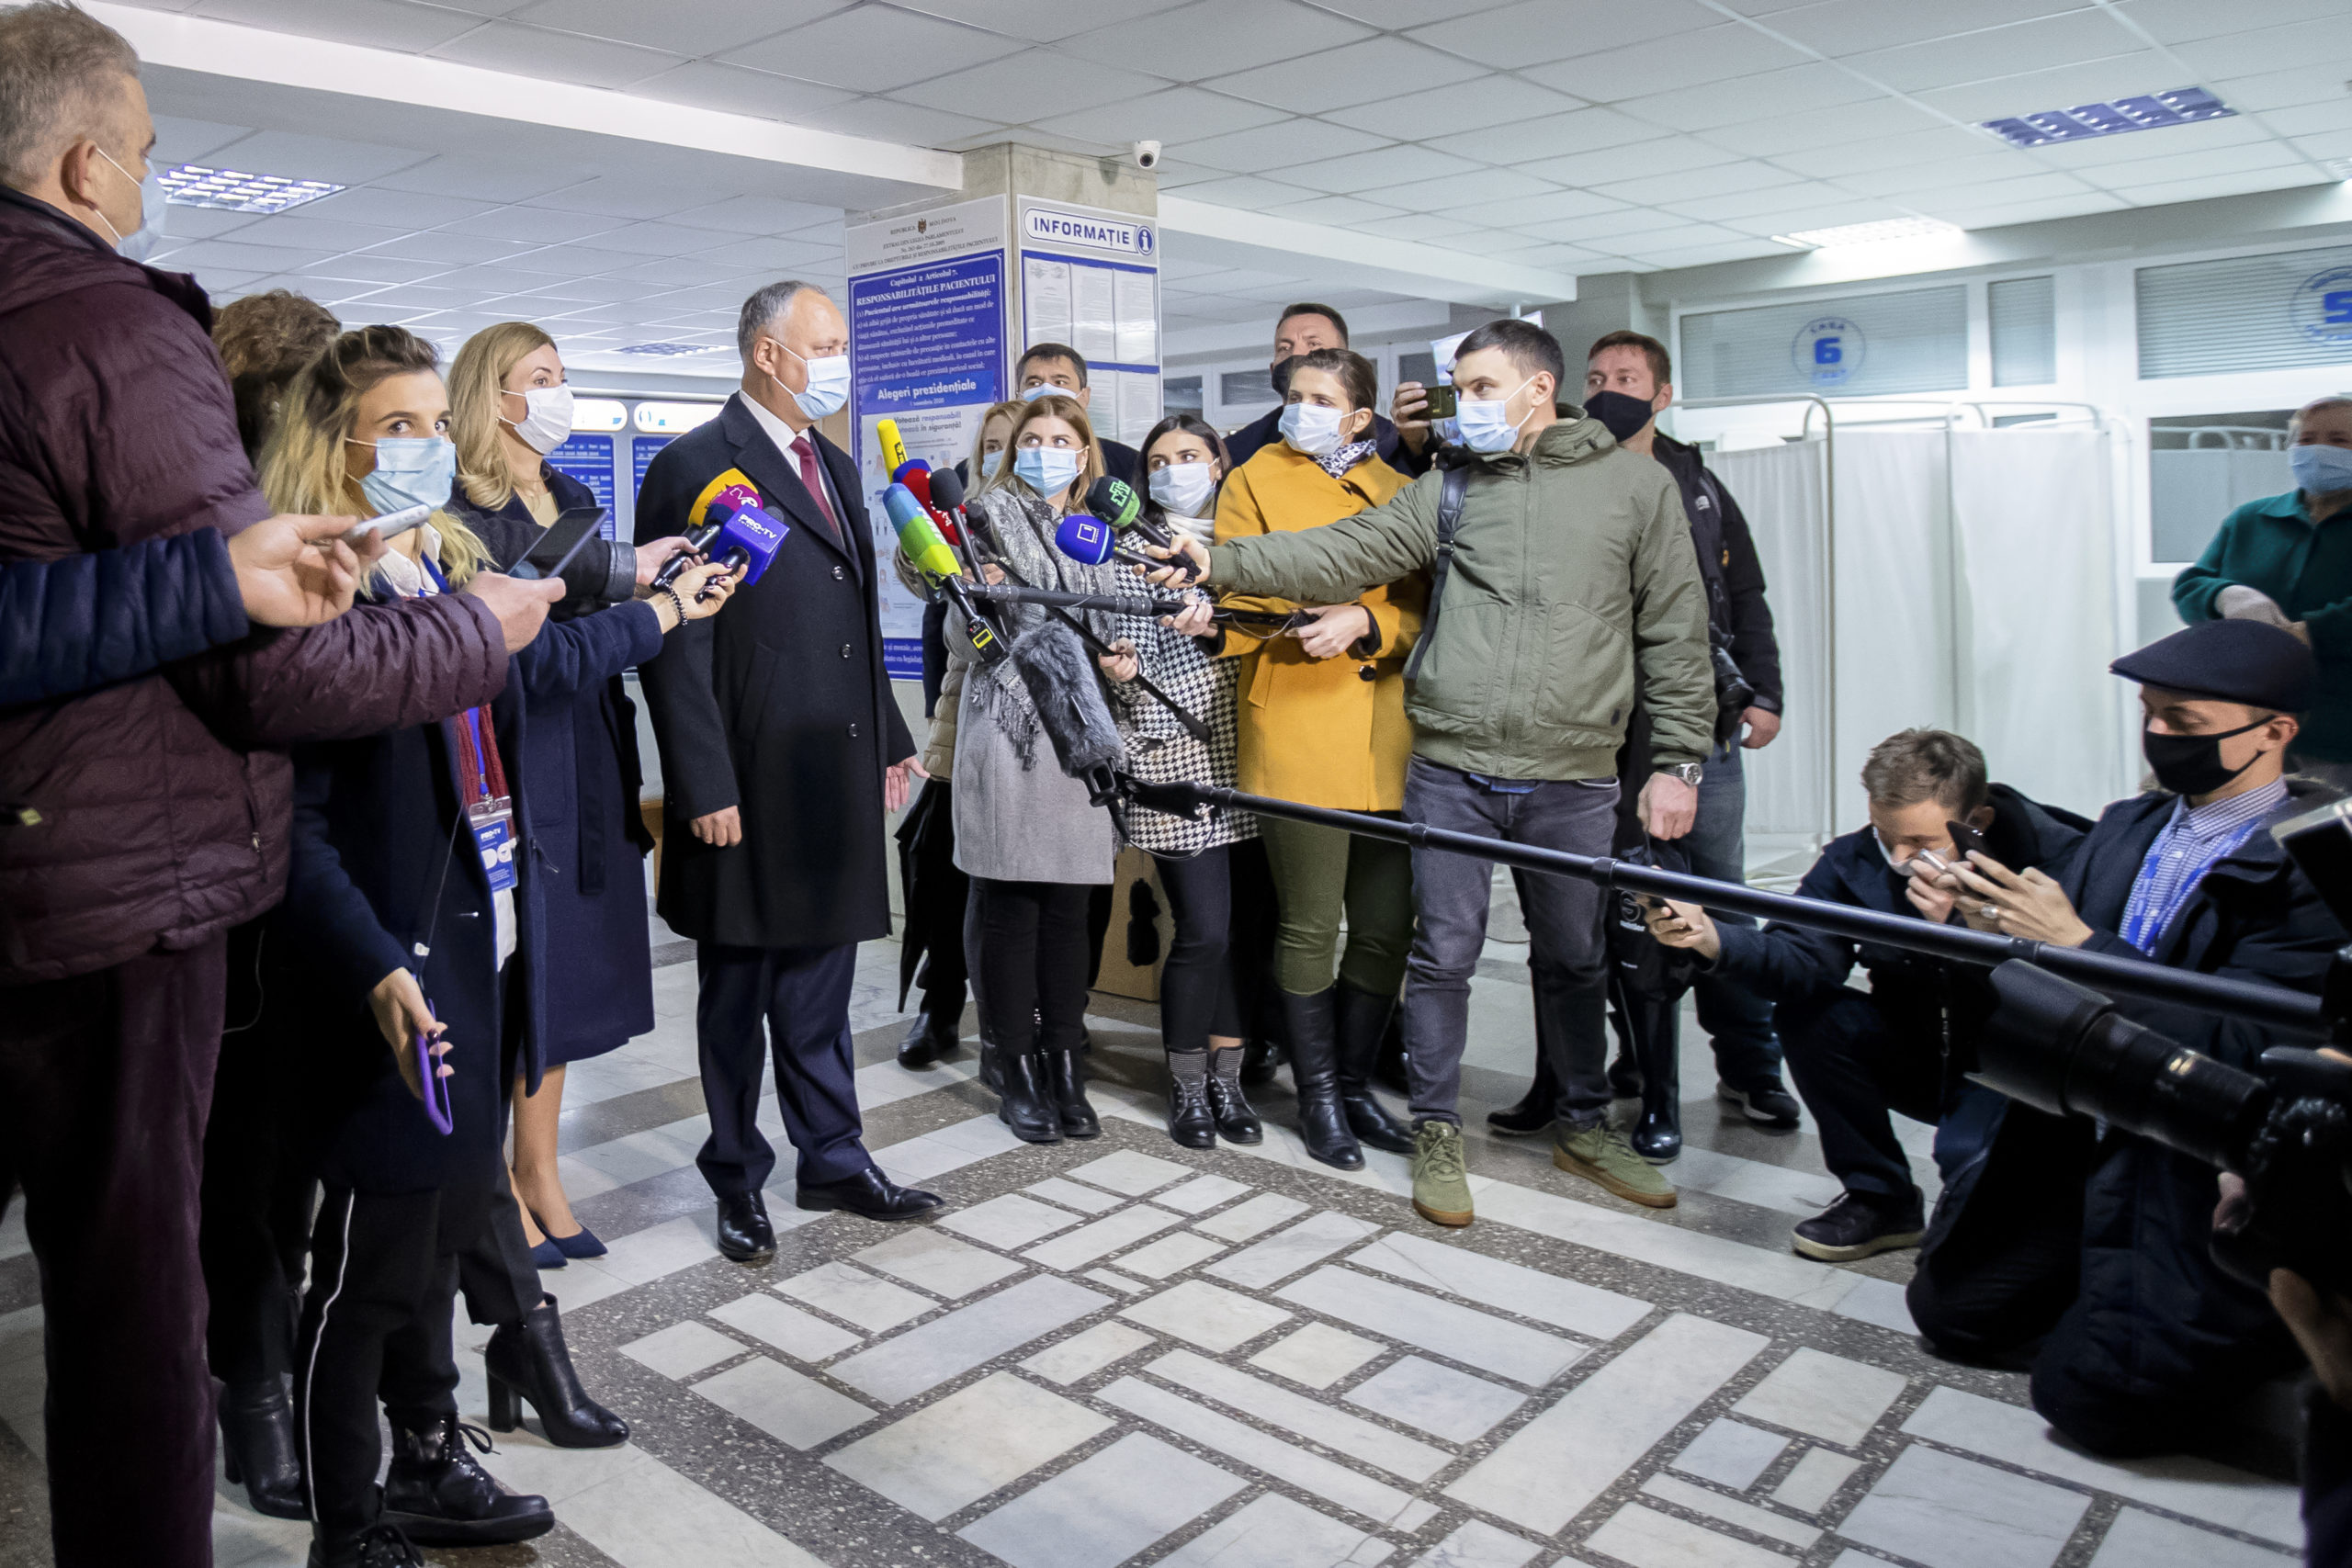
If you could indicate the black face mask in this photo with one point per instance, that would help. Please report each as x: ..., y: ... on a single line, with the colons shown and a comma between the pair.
x: 2191, y: 764
x: 1622, y: 414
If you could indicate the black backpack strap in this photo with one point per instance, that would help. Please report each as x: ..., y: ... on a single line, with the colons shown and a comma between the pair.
x: 1450, y: 496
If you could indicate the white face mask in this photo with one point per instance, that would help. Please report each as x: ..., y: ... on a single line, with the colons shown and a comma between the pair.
x: 828, y: 383
x: 1048, y: 470
x: 1183, y: 490
x: 990, y: 462
x: 1311, y: 428
x: 140, y: 242
x: 1487, y: 424
x: 1044, y: 389
x: 547, y: 418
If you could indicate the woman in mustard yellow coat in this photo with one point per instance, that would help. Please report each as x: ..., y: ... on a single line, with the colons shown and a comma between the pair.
x: 1323, y: 721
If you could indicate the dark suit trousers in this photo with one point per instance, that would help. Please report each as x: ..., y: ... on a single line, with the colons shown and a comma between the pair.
x: 1854, y: 1064
x: 801, y: 995
x: 104, y: 1082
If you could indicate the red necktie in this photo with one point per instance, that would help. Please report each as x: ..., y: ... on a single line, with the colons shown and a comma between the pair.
x: 805, y: 451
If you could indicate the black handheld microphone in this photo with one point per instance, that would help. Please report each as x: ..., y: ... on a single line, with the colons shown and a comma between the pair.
x: 696, y: 542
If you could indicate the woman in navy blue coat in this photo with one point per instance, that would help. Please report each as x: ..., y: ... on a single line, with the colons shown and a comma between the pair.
x: 509, y: 406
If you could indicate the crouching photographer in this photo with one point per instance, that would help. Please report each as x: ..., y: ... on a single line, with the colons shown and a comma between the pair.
x: 2135, y: 1336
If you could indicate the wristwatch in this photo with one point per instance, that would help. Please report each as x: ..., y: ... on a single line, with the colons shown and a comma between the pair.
x: 1689, y: 773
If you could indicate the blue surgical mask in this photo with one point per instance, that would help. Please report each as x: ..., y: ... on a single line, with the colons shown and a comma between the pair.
x: 828, y: 383
x: 1311, y: 428
x: 990, y: 462
x: 1184, y: 489
x: 1043, y: 390
x: 1486, y: 421
x: 2321, y: 470
x: 141, y: 244
x: 1048, y: 470
x: 411, y: 470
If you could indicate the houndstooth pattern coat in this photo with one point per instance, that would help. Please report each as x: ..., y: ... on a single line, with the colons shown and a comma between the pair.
x: 1160, y: 750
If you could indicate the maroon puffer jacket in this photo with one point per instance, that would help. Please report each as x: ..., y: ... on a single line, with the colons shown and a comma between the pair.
x: 154, y: 813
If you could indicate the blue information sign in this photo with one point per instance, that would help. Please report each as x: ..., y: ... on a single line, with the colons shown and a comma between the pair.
x: 928, y: 336
x: 641, y: 449
x: 1828, y: 351
x: 588, y: 459
x: 2322, y: 308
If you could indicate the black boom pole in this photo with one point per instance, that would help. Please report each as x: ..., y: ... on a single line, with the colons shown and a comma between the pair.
x: 2289, y: 1011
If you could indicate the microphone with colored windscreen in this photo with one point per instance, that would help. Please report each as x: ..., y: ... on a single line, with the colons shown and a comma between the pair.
x: 1120, y: 504
x: 920, y: 540
x: 1090, y: 542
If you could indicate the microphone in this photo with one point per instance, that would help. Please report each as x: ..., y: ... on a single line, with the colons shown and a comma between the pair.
x: 919, y: 537
x: 1088, y: 541
x: 1067, y: 694
x: 743, y: 537
x: 894, y: 446
x: 1118, y: 503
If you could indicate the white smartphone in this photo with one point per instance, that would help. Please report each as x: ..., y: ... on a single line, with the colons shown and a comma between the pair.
x: 393, y: 522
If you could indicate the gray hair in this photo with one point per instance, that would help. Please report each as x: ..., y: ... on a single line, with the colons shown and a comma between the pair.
x: 2317, y: 405
x: 59, y: 67
x: 763, y: 307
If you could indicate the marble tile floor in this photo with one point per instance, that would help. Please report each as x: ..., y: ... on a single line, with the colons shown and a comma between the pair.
x: 1120, y: 1351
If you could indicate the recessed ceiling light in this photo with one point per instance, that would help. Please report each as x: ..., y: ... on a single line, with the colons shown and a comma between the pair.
x: 667, y: 350
x: 1868, y: 233
x: 2181, y: 105
x: 192, y: 185
x: 2339, y: 168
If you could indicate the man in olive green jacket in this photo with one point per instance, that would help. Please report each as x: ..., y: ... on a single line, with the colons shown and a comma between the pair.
x: 1573, y: 588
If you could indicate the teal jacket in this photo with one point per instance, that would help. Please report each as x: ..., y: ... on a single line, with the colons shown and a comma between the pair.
x: 2273, y: 547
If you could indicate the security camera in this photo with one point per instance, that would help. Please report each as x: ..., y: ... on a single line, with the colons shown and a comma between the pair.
x: 1146, y: 154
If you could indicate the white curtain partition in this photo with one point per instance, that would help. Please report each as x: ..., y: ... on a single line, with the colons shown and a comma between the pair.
x: 1975, y: 591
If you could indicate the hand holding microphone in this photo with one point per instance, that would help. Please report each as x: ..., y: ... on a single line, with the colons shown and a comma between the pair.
x: 1188, y: 563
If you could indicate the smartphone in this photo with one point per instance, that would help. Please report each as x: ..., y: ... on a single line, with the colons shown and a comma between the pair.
x: 555, y: 548
x: 436, y: 1087
x: 1966, y: 839
x: 392, y: 523
x: 1442, y: 404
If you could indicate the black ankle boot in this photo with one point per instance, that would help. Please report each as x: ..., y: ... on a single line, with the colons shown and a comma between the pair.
x: 1657, y: 1044
x: 1536, y: 1110
x: 1065, y: 1072
x: 1025, y: 1103
x: 527, y: 1360
x: 1237, y: 1120
x: 932, y: 1036
x: 1388, y: 1062
x: 1363, y: 1023
x: 1258, y: 1058
x: 378, y: 1546
x: 1191, y: 1122
x: 257, y: 1448
x: 436, y: 1495
x: 1311, y: 1023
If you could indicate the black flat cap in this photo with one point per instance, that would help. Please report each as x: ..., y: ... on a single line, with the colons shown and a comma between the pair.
x: 2252, y: 662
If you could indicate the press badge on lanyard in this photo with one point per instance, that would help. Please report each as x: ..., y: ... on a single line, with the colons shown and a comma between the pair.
x: 490, y: 811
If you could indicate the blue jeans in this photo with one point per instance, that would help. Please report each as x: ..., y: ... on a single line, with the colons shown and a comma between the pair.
x: 1451, y: 894
x: 1739, y: 1021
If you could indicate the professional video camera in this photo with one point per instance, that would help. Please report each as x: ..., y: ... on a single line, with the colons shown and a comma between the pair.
x: 2285, y: 1129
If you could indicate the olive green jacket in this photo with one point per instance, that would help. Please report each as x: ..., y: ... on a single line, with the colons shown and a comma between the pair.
x: 1574, y: 588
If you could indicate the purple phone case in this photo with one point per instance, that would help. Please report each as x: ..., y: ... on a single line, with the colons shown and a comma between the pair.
x: 436, y: 1087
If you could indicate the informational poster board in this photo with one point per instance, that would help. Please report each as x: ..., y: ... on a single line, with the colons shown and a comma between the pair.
x: 641, y: 449
x: 1090, y: 278
x: 927, y: 296
x: 588, y: 459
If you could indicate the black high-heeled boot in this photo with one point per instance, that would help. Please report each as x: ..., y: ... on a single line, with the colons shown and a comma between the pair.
x: 1313, y: 1066
x: 1065, y: 1076
x: 1363, y: 1022
x: 1024, y: 1101
x: 1191, y: 1122
x: 436, y: 1495
x: 1237, y: 1119
x: 257, y: 1448
x: 527, y: 1360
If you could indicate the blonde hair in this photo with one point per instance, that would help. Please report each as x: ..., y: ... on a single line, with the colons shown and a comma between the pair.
x: 476, y: 380
x: 1069, y: 409
x: 1011, y: 410
x: 302, y: 465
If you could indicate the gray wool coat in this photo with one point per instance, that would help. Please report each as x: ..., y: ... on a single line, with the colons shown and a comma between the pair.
x: 1017, y: 816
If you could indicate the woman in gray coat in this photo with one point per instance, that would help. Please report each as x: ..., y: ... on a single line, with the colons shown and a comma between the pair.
x: 1025, y: 833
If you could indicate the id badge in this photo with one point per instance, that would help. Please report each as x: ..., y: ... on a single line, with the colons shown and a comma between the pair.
x: 493, y: 823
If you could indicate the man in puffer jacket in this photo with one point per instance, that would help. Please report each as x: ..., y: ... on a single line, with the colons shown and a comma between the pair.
x: 1571, y: 587
x: 141, y: 818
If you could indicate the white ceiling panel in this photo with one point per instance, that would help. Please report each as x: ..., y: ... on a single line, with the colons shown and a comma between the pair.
x: 662, y: 239
x: 1272, y: 148
x: 1172, y: 117
x: 1892, y: 152
x: 375, y: 268
x: 2089, y: 81
x: 484, y: 179
x: 1011, y: 88
x: 2064, y: 39
x: 1486, y: 185
x: 535, y: 225
x: 315, y: 157
x: 1496, y: 100
x: 1534, y: 31
x: 738, y: 89
x: 404, y: 210
x: 181, y: 141
x: 308, y: 230
x: 1830, y: 215
x: 1658, y: 190
x: 1216, y: 37
x: 1365, y: 172
x: 1935, y: 174
x: 1643, y: 160
x: 611, y: 196
x: 1755, y: 203
x: 873, y: 49
x: 453, y: 250
x: 1710, y: 54
x: 688, y: 29
x: 2310, y: 42
x: 1709, y: 255
x: 891, y: 120
x: 1248, y: 191
x: 1378, y: 70
x: 2206, y: 136
x: 1815, y: 87
x: 1854, y: 124
x: 2184, y: 21
x: 1602, y: 227
x: 598, y: 292
x: 201, y: 254
x: 556, y: 57
x: 745, y: 215
x: 1426, y: 228
x: 780, y: 258
x: 2244, y: 160
x: 1519, y: 211
x: 1859, y: 26
x: 1401, y: 14
x: 1041, y: 20
x: 204, y: 222
x: 1341, y: 209
x: 378, y: 24
x: 1559, y: 135
x: 2284, y: 88
x: 2221, y: 185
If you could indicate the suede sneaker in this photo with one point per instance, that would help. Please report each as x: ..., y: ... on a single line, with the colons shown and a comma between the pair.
x: 1604, y: 1155
x: 1861, y: 1224
x: 1440, y: 1181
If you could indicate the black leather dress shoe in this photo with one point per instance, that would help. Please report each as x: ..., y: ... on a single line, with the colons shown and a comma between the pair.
x: 436, y: 1495
x: 869, y: 1194
x: 744, y: 1234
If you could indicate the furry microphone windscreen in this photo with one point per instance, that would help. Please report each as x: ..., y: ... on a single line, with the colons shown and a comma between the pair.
x: 1062, y: 683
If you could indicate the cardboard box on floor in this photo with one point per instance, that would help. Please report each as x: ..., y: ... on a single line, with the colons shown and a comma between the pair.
x: 1117, y: 975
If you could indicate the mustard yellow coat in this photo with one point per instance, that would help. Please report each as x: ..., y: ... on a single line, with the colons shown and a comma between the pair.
x: 1316, y: 729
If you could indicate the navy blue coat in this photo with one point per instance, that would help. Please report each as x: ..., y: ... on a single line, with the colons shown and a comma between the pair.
x: 581, y: 759
x: 86, y: 621
x: 383, y: 863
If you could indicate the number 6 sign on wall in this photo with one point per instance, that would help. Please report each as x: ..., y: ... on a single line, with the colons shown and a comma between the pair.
x: 1828, y: 351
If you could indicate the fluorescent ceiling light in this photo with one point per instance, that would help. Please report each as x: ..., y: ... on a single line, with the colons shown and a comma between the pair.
x: 2181, y: 105
x: 191, y: 184
x: 1868, y: 233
